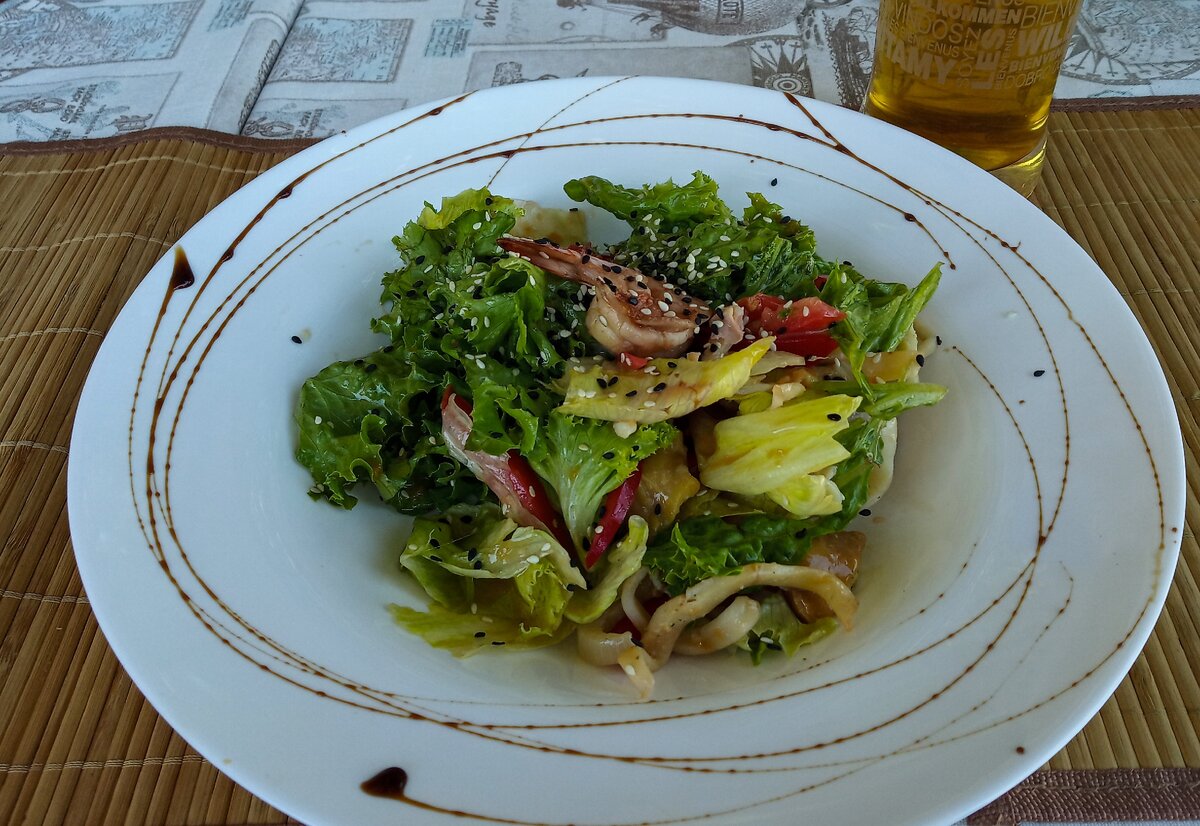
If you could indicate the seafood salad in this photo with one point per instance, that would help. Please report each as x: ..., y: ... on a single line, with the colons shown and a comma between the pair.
x: 658, y: 448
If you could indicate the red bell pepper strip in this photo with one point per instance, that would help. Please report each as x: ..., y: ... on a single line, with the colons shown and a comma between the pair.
x: 510, y: 477
x: 800, y: 327
x: 630, y: 360
x: 616, y: 508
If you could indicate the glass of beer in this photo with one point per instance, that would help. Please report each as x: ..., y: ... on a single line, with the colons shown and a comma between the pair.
x: 975, y: 76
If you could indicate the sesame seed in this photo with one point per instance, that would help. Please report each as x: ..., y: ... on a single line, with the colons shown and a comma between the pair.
x: 631, y: 394
x: 585, y: 448
x: 647, y: 311
x: 648, y: 404
x: 297, y: 340
x: 1039, y: 373
x: 533, y: 560
x: 834, y: 417
x: 805, y: 312
x: 865, y: 512
x: 608, y: 454
x: 317, y: 420
x: 480, y: 635
x: 497, y: 642
x: 370, y: 368
x: 487, y: 321
x: 920, y: 360
x: 774, y: 182
x: 477, y: 225
x: 664, y: 306
x: 599, y: 529
x: 474, y: 608
x: 938, y: 339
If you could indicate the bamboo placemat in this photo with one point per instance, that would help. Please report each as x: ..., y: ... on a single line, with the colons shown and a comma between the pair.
x: 81, y: 224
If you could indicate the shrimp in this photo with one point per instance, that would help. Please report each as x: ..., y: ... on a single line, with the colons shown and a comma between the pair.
x: 632, y: 312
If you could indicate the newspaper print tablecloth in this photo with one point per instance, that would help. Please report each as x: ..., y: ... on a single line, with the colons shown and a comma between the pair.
x: 307, y: 68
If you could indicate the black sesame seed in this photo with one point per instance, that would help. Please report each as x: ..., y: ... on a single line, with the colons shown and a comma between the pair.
x: 608, y: 454
x: 603, y: 382
x: 487, y: 201
x: 865, y: 512
x: 686, y: 313
x: 411, y: 293
x: 497, y: 642
x: 535, y: 395
x: 573, y: 209
x: 371, y: 368
x: 435, y: 543
x: 672, y: 364
x: 420, y: 259
x: 774, y: 182
x: 477, y: 564
x: 585, y: 259
x: 920, y: 360
x: 631, y: 394
x: 635, y: 448
x: 297, y: 340
x: 658, y: 508
x: 633, y: 299
x: 658, y: 388
x: 480, y: 635
x: 471, y: 554
x: 606, y: 268
x: 389, y: 348
x: 938, y: 339
x: 1039, y: 373
x: 800, y: 534
x: 359, y: 362
x: 834, y: 417
x: 435, y: 558
x: 616, y: 269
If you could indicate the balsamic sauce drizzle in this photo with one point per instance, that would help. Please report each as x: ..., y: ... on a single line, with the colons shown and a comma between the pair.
x: 250, y: 642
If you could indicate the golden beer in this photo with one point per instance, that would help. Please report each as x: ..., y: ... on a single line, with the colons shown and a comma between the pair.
x: 975, y: 76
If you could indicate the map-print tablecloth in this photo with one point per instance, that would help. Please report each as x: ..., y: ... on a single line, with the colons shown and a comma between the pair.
x: 308, y: 68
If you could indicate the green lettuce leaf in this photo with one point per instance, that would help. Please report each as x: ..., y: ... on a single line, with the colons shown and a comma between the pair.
x: 489, y: 581
x: 708, y: 546
x: 663, y: 389
x: 619, y: 562
x: 761, y: 452
x: 460, y: 312
x: 779, y: 629
x: 583, y: 460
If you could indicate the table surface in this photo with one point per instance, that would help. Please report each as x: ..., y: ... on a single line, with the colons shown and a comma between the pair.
x: 84, y: 221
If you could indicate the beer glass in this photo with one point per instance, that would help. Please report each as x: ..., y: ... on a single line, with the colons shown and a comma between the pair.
x: 975, y: 76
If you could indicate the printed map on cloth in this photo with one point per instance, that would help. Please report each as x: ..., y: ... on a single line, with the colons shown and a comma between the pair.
x: 308, y: 68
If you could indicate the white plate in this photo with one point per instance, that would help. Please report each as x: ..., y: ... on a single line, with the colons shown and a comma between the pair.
x: 1013, y: 572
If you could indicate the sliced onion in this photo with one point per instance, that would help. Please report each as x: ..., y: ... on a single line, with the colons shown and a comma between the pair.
x: 639, y: 668
x: 631, y: 604
x: 722, y: 631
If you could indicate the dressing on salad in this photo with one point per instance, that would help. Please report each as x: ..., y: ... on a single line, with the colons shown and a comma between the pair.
x: 658, y: 447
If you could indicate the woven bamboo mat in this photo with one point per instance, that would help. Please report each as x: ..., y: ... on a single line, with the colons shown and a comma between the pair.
x: 80, y: 225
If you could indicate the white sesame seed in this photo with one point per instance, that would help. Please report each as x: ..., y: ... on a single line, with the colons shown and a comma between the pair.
x: 317, y: 420
x: 664, y: 306
x: 533, y: 560
x: 648, y: 404
x: 545, y: 547
x: 804, y: 312
x: 433, y: 440
x: 584, y: 448
x: 669, y: 314
x: 474, y: 608
x: 726, y: 238
x: 646, y: 311
x: 477, y: 225
x: 599, y: 529
x: 734, y: 254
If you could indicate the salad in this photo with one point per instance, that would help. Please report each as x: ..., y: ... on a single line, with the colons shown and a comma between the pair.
x: 659, y: 447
